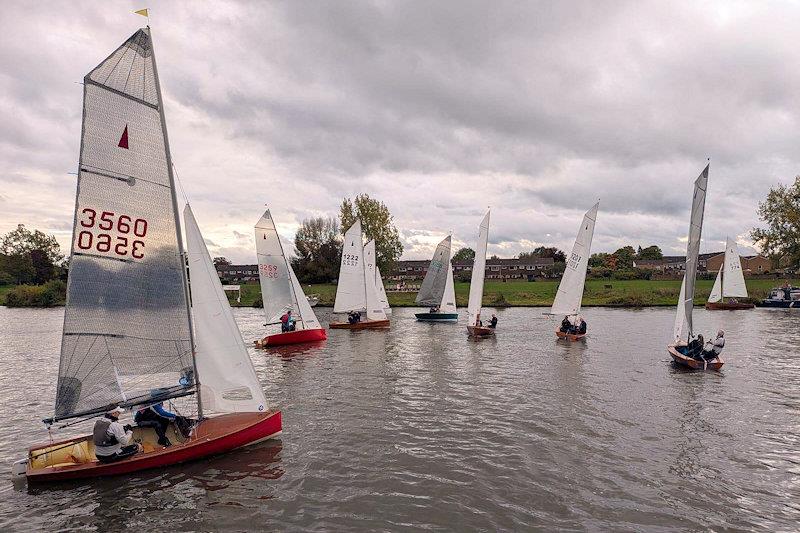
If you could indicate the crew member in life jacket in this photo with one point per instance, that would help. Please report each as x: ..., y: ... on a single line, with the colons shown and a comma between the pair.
x: 112, y: 439
x: 158, y: 418
x: 287, y: 322
x: 713, y: 349
x: 493, y: 321
x: 580, y: 328
x: 566, y: 325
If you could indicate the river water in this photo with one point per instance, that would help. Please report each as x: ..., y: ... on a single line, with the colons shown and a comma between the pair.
x: 421, y: 428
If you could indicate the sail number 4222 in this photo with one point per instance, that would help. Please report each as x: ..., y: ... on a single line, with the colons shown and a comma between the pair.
x: 127, y: 233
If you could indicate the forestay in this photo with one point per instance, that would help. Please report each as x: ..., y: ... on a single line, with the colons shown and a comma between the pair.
x: 228, y: 381
x: 433, y: 285
x: 126, y: 325
x: 478, y: 272
x: 693, y: 245
x: 273, y: 271
x: 716, y: 290
x: 350, y: 290
x: 375, y: 308
x: 570, y: 290
x: 733, y: 284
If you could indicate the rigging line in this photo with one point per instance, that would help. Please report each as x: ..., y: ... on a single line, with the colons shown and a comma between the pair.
x: 180, y: 184
x: 85, y: 355
x: 133, y: 62
x: 122, y: 55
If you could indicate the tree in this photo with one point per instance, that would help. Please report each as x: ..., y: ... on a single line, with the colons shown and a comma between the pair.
x: 376, y: 223
x: 624, y: 257
x: 544, y: 252
x: 651, y: 252
x: 29, y: 256
x: 319, y: 250
x: 598, y: 259
x: 22, y: 241
x: 221, y: 261
x: 17, y: 268
x: 781, y: 213
x: 464, y: 255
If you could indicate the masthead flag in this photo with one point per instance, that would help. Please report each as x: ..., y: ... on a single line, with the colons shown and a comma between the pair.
x: 143, y: 12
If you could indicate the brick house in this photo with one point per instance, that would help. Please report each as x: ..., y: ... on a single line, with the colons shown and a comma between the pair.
x: 497, y: 269
x: 237, y: 273
x: 751, y: 264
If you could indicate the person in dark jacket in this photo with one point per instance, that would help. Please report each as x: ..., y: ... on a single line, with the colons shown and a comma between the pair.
x: 566, y: 325
x: 493, y: 321
x: 581, y: 326
x: 158, y: 418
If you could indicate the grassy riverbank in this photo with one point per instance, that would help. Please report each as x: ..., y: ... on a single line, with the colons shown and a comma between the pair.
x: 634, y: 293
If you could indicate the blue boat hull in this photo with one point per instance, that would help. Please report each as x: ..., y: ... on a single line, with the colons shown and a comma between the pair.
x: 437, y: 317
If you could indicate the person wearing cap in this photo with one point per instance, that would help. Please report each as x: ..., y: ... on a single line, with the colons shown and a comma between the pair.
x: 112, y: 439
x: 716, y: 346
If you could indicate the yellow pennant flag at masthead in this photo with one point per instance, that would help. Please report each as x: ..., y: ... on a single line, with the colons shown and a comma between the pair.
x: 143, y: 12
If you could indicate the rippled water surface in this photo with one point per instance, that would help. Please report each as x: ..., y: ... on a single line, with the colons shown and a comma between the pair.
x: 420, y: 428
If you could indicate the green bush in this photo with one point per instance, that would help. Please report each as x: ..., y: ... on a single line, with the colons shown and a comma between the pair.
x: 50, y: 294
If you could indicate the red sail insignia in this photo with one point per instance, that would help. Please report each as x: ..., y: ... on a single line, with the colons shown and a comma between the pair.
x: 123, y: 141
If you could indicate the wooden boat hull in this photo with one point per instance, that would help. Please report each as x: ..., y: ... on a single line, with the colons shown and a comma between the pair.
x: 728, y: 306
x: 437, y: 317
x: 690, y: 362
x: 364, y: 324
x: 212, y: 436
x: 570, y: 336
x: 293, y: 337
x: 480, y: 331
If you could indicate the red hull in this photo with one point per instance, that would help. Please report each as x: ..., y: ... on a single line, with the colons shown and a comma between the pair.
x: 570, y: 336
x: 293, y: 337
x: 213, y: 436
x: 692, y: 363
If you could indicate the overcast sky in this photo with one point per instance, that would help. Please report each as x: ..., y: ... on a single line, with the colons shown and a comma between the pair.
x: 439, y: 109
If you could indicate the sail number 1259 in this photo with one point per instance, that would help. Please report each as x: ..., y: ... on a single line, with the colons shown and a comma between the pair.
x: 119, y: 234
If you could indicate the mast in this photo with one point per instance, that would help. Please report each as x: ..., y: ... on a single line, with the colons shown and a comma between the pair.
x: 181, y: 250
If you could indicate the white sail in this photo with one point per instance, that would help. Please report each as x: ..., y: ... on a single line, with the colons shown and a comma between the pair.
x: 432, y: 289
x: 693, y: 244
x: 382, y: 298
x: 570, y: 290
x: 716, y: 290
x: 478, y: 272
x: 375, y: 308
x: 733, y: 281
x: 273, y: 271
x: 680, y: 313
x: 448, y: 304
x: 350, y: 290
x: 228, y: 381
x: 126, y: 322
x: 307, y: 317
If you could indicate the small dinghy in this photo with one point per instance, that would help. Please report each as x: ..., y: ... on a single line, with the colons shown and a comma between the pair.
x: 475, y: 327
x: 128, y: 328
x: 570, y: 290
x: 680, y: 349
x: 437, y: 290
x: 357, y: 290
x: 281, y: 292
x: 729, y: 283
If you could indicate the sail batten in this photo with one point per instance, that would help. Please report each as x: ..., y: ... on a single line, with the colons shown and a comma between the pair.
x: 126, y: 280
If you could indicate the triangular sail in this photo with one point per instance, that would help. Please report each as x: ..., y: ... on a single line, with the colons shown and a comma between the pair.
x: 273, y: 271
x: 126, y: 323
x: 448, y: 304
x: 680, y: 313
x: 350, y: 292
x: 693, y: 244
x: 716, y: 290
x: 228, y: 381
x: 478, y: 272
x: 375, y: 308
x: 382, y: 298
x: 307, y: 318
x: 432, y: 289
x: 733, y: 284
x: 570, y: 290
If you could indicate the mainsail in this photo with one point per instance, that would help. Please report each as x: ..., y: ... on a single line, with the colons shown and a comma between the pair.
x: 126, y: 322
x: 431, y: 291
x: 350, y: 290
x: 478, y: 272
x: 570, y: 290
x: 228, y: 380
x: 693, y: 245
x: 375, y: 308
x: 733, y: 279
x: 273, y: 270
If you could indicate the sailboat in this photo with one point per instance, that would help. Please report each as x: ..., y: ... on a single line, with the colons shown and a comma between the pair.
x: 729, y: 282
x: 437, y: 290
x: 475, y: 326
x: 356, y: 291
x: 132, y: 335
x: 281, y: 291
x: 570, y: 291
x: 383, y: 300
x: 679, y: 348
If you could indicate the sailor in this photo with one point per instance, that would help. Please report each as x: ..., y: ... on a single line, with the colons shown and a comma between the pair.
x: 714, y: 348
x: 434, y: 309
x: 290, y: 322
x: 158, y: 418
x: 493, y: 321
x: 566, y: 325
x: 112, y: 439
x: 285, y: 321
x: 695, y: 347
x: 581, y: 326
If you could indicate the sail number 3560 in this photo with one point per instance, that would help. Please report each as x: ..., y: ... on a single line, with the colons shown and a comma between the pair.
x: 125, y: 228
